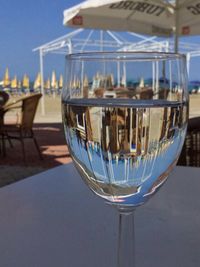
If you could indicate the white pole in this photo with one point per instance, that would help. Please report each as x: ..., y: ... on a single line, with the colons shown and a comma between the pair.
x: 101, y: 41
x: 114, y: 37
x: 124, y: 73
x: 170, y: 66
x: 153, y: 76
x: 118, y: 74
x: 42, y: 83
x: 157, y: 76
x: 167, y: 46
x: 170, y: 75
x: 188, y: 63
x: 70, y: 47
x: 82, y: 78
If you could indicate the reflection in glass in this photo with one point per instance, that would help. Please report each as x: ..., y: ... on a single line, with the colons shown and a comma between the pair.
x: 125, y: 116
x: 122, y: 155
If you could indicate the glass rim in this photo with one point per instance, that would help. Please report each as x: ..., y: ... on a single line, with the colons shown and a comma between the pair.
x: 119, y: 55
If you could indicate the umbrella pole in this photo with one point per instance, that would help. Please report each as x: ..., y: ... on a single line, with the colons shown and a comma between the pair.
x: 118, y: 74
x: 176, y: 37
x: 42, y: 83
x: 176, y: 42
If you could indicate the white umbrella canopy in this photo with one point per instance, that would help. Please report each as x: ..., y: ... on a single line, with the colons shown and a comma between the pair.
x: 151, y: 17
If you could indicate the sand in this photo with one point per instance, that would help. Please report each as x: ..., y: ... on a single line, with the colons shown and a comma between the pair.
x: 53, y: 109
x: 194, y: 105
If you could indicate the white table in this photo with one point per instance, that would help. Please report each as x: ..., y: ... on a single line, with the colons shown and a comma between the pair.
x: 53, y: 220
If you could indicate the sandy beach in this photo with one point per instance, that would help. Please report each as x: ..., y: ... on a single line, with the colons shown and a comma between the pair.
x: 53, y: 109
x: 52, y: 106
x: 194, y: 105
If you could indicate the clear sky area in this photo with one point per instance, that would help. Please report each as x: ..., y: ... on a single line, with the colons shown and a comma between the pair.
x: 25, y: 25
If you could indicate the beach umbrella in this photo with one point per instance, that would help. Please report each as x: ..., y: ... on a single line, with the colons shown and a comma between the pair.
x: 25, y: 81
x: 37, y: 82
x: 47, y: 84
x: 60, y: 84
x: 53, y: 80
x: 13, y: 84
x: 6, y: 79
x: 163, y: 18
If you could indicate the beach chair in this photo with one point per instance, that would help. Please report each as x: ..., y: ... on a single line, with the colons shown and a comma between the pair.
x: 190, y: 155
x: 146, y: 93
x: 22, y: 128
x: 3, y: 98
x: 163, y: 93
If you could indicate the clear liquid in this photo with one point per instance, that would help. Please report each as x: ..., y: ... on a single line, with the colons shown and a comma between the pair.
x: 124, y: 150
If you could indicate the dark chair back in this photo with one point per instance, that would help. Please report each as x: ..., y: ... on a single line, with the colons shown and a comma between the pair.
x: 190, y: 155
x: 3, y: 98
x: 163, y: 93
x: 146, y: 93
x: 29, y: 107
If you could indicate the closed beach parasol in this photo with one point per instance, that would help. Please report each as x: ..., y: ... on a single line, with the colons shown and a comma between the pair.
x: 60, y: 81
x: 14, y: 83
x: 54, y: 83
x: 6, y: 79
x: 25, y: 82
x: 37, y: 82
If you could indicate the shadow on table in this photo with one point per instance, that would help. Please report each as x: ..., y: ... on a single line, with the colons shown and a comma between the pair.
x: 51, y: 140
x: 50, y: 137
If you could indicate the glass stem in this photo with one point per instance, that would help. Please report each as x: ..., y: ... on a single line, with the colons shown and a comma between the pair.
x: 126, y: 246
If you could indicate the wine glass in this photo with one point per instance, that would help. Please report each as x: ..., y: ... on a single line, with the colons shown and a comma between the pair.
x: 125, y: 118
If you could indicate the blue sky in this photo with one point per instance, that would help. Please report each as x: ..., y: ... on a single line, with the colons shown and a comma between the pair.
x: 25, y: 25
